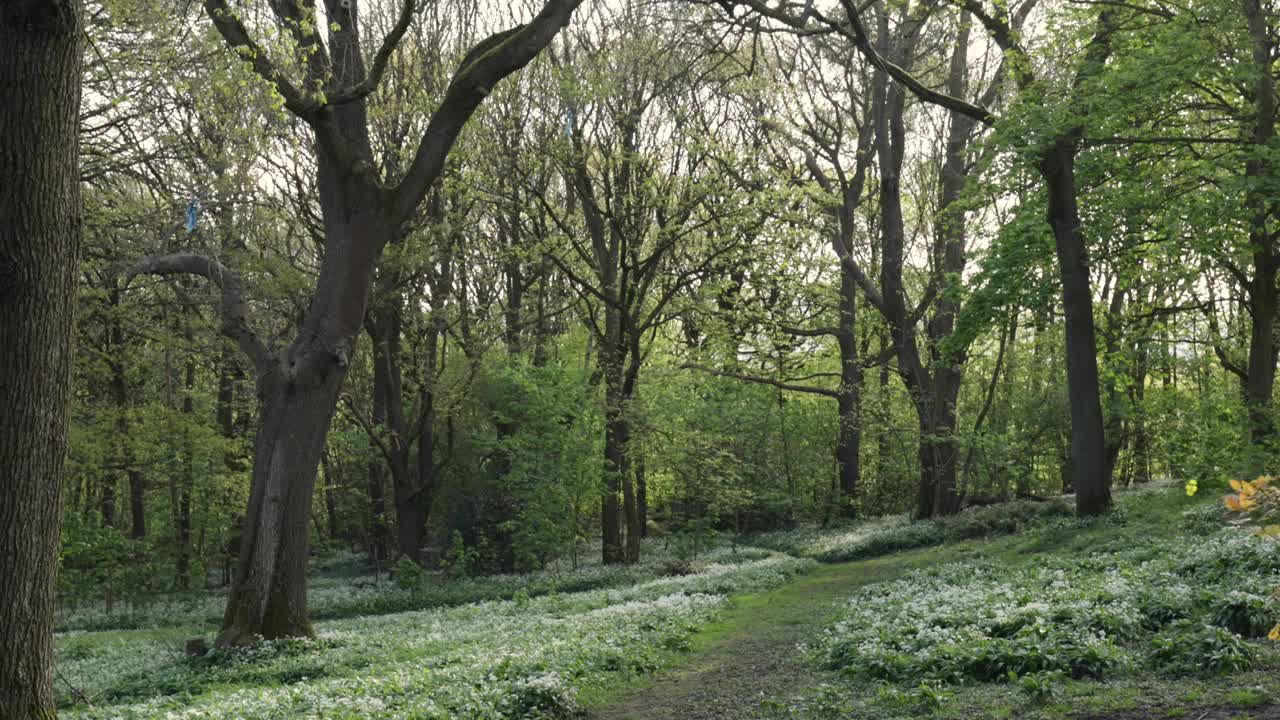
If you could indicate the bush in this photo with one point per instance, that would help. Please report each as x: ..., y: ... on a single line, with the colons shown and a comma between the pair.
x: 1187, y: 647
x: 406, y: 573
x: 542, y: 697
x: 1243, y: 613
x: 1091, y: 617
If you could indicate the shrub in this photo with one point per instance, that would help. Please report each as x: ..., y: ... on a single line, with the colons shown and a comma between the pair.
x: 1243, y: 613
x: 542, y: 697
x: 406, y: 573
x: 1187, y: 647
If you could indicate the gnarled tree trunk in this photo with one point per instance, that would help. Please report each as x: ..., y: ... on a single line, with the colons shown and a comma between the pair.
x: 298, y: 390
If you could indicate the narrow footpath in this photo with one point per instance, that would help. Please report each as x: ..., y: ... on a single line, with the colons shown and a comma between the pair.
x: 751, y: 653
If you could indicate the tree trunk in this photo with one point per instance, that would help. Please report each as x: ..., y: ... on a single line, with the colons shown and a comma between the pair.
x: 1115, y: 410
x: 616, y: 434
x: 1141, y: 440
x: 1262, y: 288
x: 642, y: 495
x: 299, y: 394
x: 120, y: 397
x: 182, y: 528
x: 943, y: 444
x: 377, y: 465
x: 107, y: 501
x: 40, y: 51
x: 848, y: 400
x: 269, y: 596
x: 426, y: 481
x: 330, y: 492
x: 120, y: 392
x: 1088, y: 444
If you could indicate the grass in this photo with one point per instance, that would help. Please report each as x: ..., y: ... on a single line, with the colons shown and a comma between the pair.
x: 735, y: 639
x: 1150, y: 530
x: 858, y: 540
x: 525, y: 658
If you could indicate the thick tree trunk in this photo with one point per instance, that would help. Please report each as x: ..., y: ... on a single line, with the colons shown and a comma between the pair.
x: 40, y: 50
x: 616, y: 433
x: 939, y: 443
x: 299, y: 394
x: 269, y: 597
x: 1263, y: 297
x: 1261, y: 376
x: 1088, y: 443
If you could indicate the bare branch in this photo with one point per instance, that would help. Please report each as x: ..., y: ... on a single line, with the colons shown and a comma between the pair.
x: 763, y: 381
x: 489, y: 61
x: 234, y: 311
x: 374, y: 76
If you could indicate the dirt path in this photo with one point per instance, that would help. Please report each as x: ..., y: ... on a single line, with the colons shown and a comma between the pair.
x: 751, y: 653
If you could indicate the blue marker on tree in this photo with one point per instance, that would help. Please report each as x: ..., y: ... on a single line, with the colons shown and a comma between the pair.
x: 193, y: 214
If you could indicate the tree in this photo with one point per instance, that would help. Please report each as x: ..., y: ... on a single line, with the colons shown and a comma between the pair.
x: 40, y: 50
x: 646, y: 191
x: 363, y: 210
x: 1056, y: 145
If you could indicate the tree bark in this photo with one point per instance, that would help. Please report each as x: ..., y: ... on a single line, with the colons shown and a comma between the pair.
x: 1088, y: 442
x: 848, y: 397
x: 40, y: 56
x: 298, y: 391
x: 616, y: 434
x: 1263, y: 294
x: 269, y: 595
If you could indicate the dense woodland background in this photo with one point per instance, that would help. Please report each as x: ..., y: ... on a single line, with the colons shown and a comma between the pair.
x: 628, y: 279
x: 485, y: 301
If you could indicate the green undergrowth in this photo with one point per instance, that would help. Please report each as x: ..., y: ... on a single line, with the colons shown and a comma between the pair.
x: 1152, y: 610
x: 344, y: 587
x: 527, y: 657
x: 858, y: 540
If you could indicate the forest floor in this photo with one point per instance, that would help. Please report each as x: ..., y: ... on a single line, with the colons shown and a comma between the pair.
x: 751, y: 655
x: 1156, y: 610
x: 752, y: 662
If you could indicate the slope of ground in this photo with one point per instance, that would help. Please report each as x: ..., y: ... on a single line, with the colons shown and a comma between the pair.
x: 755, y: 663
x: 750, y: 656
x: 1154, y: 611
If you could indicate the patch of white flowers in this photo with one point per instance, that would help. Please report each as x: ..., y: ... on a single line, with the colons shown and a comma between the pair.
x: 1088, y: 618
x: 497, y: 659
